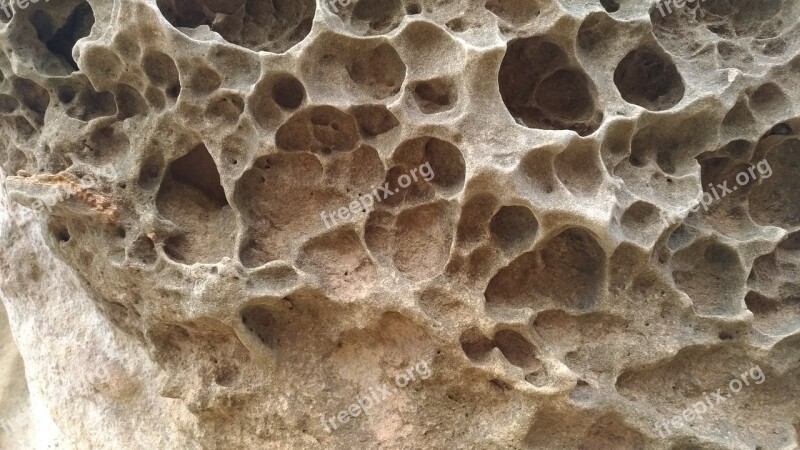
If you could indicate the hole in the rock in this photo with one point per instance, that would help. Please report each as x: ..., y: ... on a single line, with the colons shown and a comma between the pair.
x: 475, y: 345
x: 379, y: 70
x: 597, y: 34
x: 198, y: 170
x: 537, y: 169
x: 769, y: 200
x: 59, y: 231
x: 261, y: 322
x: 781, y: 129
x: 107, y: 143
x: 226, y: 376
x: 188, y: 14
x: 565, y: 94
x: 640, y: 215
x: 517, y: 350
x: 641, y: 219
x: 458, y: 25
x: 334, y: 253
x: 173, y: 91
x: 542, y: 89
x: 759, y: 304
x: 569, y: 269
x: 161, y: 70
x: 537, y: 377
x: 771, y: 47
x: 204, y: 80
x: 62, y: 235
x: 413, y: 9
x: 791, y: 242
x: 738, y: 148
x: 665, y: 162
x: 443, y: 162
x: 66, y: 95
x: 447, y: 163
x: 475, y: 214
x: 374, y: 120
x: 322, y: 129
x: 129, y: 102
x: 8, y: 104
x: 426, y: 234
x: 739, y: 121
x: 502, y: 385
x: 91, y: 104
x: 60, y: 42
x: 734, y: 55
x: 174, y: 248
x: 22, y: 127
x: 33, y: 96
x: 579, y: 169
x: 435, y: 95
x: 649, y: 79
x: 192, y: 198
x: 725, y: 335
x: 151, y: 171
x: 513, y: 225
x: 227, y: 107
x: 265, y: 110
x: 143, y: 250
x: 284, y: 195
x: 253, y: 253
x: 126, y: 45
x: 712, y: 275
x: 516, y: 12
x: 721, y: 29
x: 260, y: 25
x: 610, y: 5
x: 381, y: 15
x: 679, y: 237
x: 288, y: 92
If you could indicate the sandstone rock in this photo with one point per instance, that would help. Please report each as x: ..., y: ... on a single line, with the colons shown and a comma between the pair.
x: 448, y: 224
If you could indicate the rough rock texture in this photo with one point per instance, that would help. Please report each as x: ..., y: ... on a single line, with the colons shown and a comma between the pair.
x: 570, y: 275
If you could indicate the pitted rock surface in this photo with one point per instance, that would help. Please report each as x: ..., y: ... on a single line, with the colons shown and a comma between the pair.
x: 189, y: 262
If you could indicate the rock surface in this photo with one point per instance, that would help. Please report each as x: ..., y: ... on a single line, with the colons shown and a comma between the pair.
x: 446, y: 224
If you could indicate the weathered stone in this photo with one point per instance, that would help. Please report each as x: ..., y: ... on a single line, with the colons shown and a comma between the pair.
x: 400, y: 224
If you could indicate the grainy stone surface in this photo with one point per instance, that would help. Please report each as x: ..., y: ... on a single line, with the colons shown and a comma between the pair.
x: 593, y: 225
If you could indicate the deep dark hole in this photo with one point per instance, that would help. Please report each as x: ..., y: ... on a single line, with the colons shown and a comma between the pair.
x: 78, y: 25
x: 610, y: 5
x: 62, y: 234
x: 66, y: 96
x: 781, y: 129
x: 174, y: 91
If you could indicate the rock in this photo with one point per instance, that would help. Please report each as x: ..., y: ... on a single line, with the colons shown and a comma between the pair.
x: 443, y: 224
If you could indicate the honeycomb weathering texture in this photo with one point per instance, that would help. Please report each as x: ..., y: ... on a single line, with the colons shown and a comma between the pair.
x: 445, y: 224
